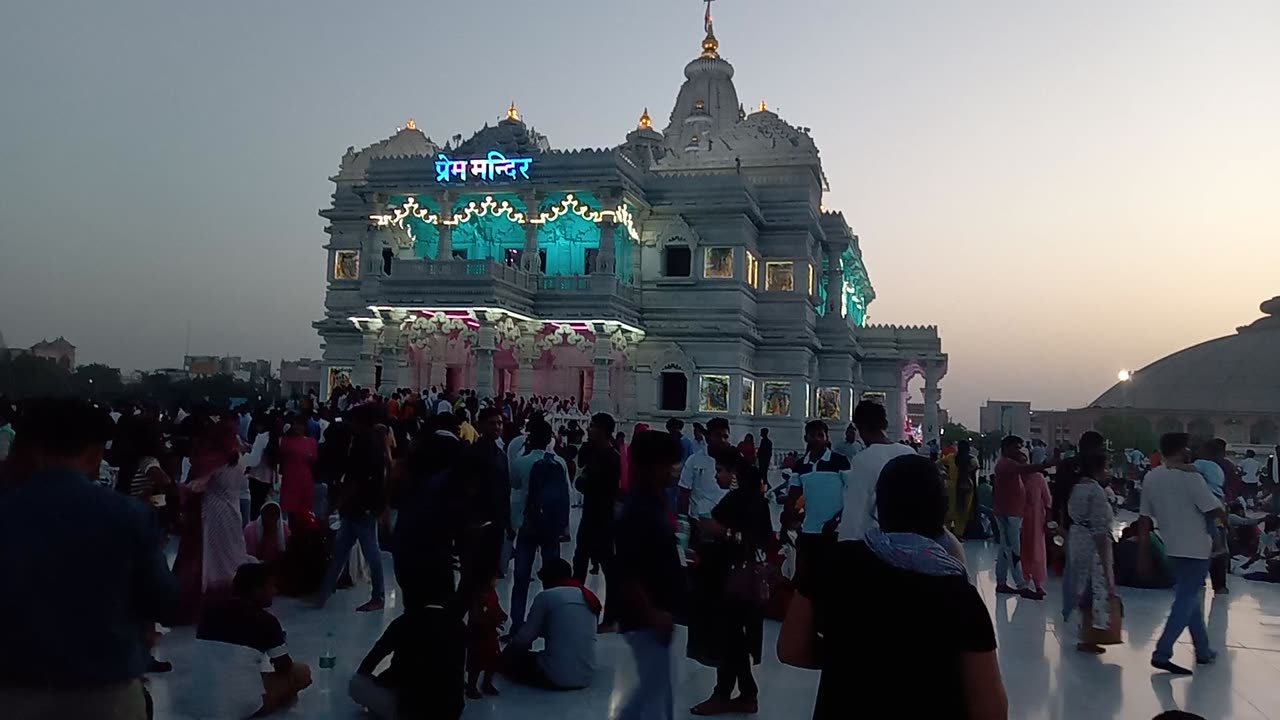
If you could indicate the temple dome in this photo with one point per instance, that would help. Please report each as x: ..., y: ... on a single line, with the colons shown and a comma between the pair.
x: 408, y: 141
x: 1230, y: 374
x: 707, y: 102
x: 511, y: 136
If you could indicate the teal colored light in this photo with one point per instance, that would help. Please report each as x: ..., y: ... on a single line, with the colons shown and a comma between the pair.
x: 624, y: 254
x: 858, y: 292
x: 822, y: 287
x: 566, y: 241
x: 428, y: 239
x: 488, y: 237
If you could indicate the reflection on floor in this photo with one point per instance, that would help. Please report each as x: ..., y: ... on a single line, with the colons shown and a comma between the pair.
x: 1045, y: 676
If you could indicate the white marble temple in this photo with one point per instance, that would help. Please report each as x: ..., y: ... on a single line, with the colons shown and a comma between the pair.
x: 1045, y: 676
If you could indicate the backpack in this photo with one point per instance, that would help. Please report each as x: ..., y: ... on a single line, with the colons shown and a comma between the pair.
x: 547, y: 510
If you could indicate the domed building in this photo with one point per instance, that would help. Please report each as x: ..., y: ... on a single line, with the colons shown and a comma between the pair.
x: 688, y: 271
x: 1226, y: 388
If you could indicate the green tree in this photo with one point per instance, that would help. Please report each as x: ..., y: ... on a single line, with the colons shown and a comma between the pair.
x: 96, y: 380
x: 954, y: 432
x: 27, y: 376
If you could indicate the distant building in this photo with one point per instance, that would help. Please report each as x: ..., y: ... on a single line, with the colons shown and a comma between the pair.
x: 300, y: 377
x: 59, y: 351
x: 1007, y: 417
x: 253, y: 371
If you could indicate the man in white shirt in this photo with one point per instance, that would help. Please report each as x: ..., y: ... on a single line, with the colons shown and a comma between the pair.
x: 445, y: 404
x: 1250, y: 466
x: 531, y: 541
x: 864, y: 469
x: 699, y: 491
x: 1178, y: 502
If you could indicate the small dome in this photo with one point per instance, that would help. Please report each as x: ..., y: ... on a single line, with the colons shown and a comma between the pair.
x: 409, y: 141
x: 1229, y: 374
x: 511, y: 136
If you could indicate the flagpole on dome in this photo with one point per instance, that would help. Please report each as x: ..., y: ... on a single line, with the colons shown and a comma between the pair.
x: 710, y: 46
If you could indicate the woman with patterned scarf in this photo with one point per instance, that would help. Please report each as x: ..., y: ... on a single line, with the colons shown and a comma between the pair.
x: 898, y: 607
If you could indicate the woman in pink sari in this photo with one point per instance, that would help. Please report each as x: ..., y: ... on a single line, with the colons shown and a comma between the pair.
x: 267, y: 537
x: 298, y: 453
x: 1035, y: 569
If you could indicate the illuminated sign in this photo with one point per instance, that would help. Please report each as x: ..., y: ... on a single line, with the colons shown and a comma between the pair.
x: 494, y: 165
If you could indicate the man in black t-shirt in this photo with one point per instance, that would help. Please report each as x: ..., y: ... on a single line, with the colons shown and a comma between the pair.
x: 649, y: 576
x: 243, y: 620
x: 361, y: 498
x: 598, y: 482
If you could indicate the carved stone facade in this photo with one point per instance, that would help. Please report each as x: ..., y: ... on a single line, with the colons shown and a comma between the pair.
x: 685, y: 273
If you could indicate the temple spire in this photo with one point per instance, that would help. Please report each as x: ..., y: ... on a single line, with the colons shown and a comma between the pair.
x: 513, y: 113
x: 710, y: 46
x: 646, y: 122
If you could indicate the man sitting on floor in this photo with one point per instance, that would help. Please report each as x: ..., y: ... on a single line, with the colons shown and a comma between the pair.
x: 244, y: 621
x: 565, y: 615
x: 427, y: 646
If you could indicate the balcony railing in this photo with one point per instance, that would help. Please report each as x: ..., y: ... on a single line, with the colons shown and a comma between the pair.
x: 409, y: 271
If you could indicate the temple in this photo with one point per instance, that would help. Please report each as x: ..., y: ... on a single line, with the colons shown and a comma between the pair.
x: 691, y: 270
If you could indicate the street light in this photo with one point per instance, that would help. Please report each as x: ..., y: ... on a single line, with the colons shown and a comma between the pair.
x: 1124, y: 376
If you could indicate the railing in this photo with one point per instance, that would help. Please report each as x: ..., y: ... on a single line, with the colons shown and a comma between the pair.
x: 426, y: 269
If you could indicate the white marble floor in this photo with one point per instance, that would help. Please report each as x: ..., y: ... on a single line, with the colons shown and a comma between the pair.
x: 1045, y: 676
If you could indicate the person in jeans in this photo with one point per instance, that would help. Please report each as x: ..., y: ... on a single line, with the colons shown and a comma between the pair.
x: 649, y: 575
x: 1177, y: 502
x: 1010, y: 500
x: 361, y: 498
x: 598, y: 481
x: 564, y: 614
x: 75, y: 604
x: 539, y: 518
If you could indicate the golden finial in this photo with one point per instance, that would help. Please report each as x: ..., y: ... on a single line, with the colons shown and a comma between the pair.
x: 646, y: 122
x: 710, y: 45
x: 513, y: 113
x: 764, y: 106
x: 411, y: 125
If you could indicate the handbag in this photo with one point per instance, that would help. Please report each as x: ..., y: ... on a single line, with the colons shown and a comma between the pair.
x: 1112, y: 635
x: 749, y: 583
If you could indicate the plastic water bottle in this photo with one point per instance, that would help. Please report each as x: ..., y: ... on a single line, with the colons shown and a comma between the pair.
x: 328, y: 661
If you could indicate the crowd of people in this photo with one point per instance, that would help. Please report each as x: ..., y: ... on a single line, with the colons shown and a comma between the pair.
x: 462, y: 490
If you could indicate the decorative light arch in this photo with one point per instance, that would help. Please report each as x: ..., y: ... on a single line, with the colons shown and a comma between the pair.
x: 503, y: 208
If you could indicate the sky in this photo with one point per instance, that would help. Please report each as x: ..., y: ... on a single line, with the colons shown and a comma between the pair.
x: 1064, y: 189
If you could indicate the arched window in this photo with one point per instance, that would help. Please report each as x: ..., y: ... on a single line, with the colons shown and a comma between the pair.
x: 673, y: 389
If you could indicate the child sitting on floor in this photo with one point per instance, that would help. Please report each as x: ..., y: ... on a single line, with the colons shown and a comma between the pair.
x: 484, y: 620
x: 244, y: 622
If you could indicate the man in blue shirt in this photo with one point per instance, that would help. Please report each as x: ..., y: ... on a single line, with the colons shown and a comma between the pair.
x: 85, y: 575
x: 821, y: 479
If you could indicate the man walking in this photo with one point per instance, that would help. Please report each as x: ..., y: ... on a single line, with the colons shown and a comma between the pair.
x: 539, y: 511
x: 1179, y: 503
x: 821, y: 479
x: 598, y: 482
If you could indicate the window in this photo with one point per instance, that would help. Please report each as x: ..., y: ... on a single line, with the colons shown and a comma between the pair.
x: 777, y: 398
x: 779, y: 276
x: 590, y: 257
x: 387, y: 255
x: 718, y: 264
x: 346, y: 265
x: 748, y: 396
x: 753, y: 270
x: 713, y: 393
x: 460, y: 254
x: 829, y: 403
x: 678, y: 261
x: 673, y: 390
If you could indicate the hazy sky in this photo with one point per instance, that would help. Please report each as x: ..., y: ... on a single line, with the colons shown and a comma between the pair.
x: 1064, y: 188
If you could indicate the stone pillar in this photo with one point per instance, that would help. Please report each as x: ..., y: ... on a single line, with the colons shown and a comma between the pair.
x: 602, y: 363
x: 362, y: 372
x: 486, y: 345
x: 392, y: 356
x: 523, y: 382
x: 895, y: 410
x: 445, y: 250
x: 529, y: 259
x: 605, y: 258
x: 835, y: 283
x: 931, y: 430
